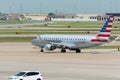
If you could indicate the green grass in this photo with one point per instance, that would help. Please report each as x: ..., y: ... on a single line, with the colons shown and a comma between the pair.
x: 14, y: 21
x: 45, y: 32
x: 50, y: 32
x: 80, y: 24
x: 16, y: 39
x: 118, y: 40
x: 75, y: 24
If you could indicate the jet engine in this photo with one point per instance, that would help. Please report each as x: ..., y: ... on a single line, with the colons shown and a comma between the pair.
x: 50, y: 47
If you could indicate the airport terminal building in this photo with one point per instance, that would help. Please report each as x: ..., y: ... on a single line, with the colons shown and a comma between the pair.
x: 61, y: 17
x: 114, y: 14
x: 80, y: 17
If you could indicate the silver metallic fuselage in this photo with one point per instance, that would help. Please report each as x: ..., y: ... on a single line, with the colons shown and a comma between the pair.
x: 71, y: 41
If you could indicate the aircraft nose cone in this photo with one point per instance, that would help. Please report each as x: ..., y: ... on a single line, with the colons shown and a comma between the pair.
x: 35, y: 42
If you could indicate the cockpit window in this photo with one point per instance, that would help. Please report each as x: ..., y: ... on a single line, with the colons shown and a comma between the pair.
x: 20, y: 74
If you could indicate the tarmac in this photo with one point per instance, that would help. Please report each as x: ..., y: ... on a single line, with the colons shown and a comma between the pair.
x: 91, y: 64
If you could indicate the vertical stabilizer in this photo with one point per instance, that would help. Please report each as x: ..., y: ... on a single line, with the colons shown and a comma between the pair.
x: 104, y: 34
x: 106, y: 30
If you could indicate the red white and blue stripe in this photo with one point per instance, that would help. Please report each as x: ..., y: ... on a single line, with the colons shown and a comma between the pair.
x: 105, y: 31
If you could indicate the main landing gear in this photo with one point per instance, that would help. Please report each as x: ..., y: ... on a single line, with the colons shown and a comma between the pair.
x: 78, y: 50
x: 63, y: 50
x: 41, y: 50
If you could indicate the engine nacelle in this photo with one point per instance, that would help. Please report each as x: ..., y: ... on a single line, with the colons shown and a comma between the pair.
x: 50, y: 47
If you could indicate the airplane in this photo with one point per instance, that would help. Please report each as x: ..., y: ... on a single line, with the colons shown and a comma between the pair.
x: 74, y: 42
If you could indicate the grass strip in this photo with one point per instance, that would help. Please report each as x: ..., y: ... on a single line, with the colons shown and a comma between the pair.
x: 16, y: 39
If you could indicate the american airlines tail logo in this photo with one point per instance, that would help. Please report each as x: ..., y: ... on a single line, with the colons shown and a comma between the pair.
x: 104, y: 33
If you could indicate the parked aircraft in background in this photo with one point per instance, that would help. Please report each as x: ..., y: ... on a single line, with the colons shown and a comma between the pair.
x: 74, y: 42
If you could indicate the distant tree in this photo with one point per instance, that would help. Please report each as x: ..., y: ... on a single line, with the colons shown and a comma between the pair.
x: 51, y: 15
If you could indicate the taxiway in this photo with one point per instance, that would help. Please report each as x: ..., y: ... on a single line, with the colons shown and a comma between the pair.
x: 91, y: 64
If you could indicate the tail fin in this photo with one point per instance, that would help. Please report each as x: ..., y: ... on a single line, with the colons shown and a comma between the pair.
x: 104, y: 34
x: 106, y: 30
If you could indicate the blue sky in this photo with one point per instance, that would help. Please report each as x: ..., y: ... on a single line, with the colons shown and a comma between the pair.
x: 59, y: 6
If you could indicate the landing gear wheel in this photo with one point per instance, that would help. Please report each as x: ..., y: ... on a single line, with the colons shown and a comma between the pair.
x: 38, y: 79
x: 41, y: 50
x: 78, y: 51
x: 63, y: 50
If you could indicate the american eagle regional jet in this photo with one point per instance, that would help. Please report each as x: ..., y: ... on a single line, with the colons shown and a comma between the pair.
x: 74, y: 42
